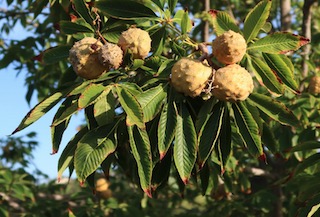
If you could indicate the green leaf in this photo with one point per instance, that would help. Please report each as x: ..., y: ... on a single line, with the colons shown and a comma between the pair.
x: 278, y: 63
x: 256, y: 19
x: 185, y: 145
x: 248, y: 129
x: 93, y: 93
x: 131, y: 106
x: 92, y: 149
x: 306, y: 146
x: 151, y: 101
x: 209, y: 133
x: 104, y: 109
x: 269, y: 79
x: 274, y: 109
x: 278, y: 43
x: 158, y: 39
x: 70, y: 28
x: 172, y: 5
x: 185, y: 22
x: 57, y: 131
x: 56, y: 54
x: 67, y: 112
x: 42, y: 108
x: 182, y: 18
x: 224, y: 145
x: 124, y: 9
x: 222, y: 22
x: 67, y: 155
x: 83, y: 10
x: 308, y: 162
x: 269, y: 140
x: 167, y: 127
x: 141, y: 150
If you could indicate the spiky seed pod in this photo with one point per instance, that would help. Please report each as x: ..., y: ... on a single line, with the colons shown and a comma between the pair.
x: 314, y: 85
x: 190, y: 76
x: 232, y: 83
x: 136, y: 41
x: 84, y: 59
x: 229, y: 48
x: 111, y: 55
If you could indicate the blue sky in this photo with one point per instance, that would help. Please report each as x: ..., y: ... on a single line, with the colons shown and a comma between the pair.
x: 14, y: 107
x: 12, y: 110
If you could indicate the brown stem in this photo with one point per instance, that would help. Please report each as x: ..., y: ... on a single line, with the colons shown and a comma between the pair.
x: 285, y: 6
x: 306, y: 32
x: 205, y: 34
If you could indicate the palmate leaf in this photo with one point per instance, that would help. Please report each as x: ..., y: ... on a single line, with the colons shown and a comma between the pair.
x: 67, y: 155
x: 151, y: 101
x: 65, y: 114
x: 256, y: 19
x: 42, y: 108
x: 278, y: 63
x: 274, y: 109
x: 209, y: 133
x: 131, y: 106
x: 141, y: 150
x: 132, y: 10
x: 185, y: 144
x: 278, y: 43
x: 269, y: 79
x: 248, y: 129
x: 92, y: 149
x: 167, y: 126
x: 222, y: 22
x: 104, y: 109
x: 92, y: 93
x: 56, y: 54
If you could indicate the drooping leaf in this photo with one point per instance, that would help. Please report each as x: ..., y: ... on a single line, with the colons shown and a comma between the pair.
x: 278, y: 64
x: 92, y: 149
x: 256, y: 19
x: 161, y: 171
x: 67, y: 155
x: 274, y: 109
x: 204, y: 114
x: 57, y: 131
x: 92, y: 93
x: 172, y: 5
x: 248, y: 129
x: 123, y: 9
x: 269, y: 140
x: 278, y: 43
x: 224, y: 144
x: 141, y: 150
x: 167, y: 127
x: 104, y: 109
x: 151, y: 101
x: 185, y: 145
x: 269, y: 79
x: 209, y: 133
x: 222, y: 22
x: 131, y: 106
x: 83, y: 10
x: 42, y: 108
